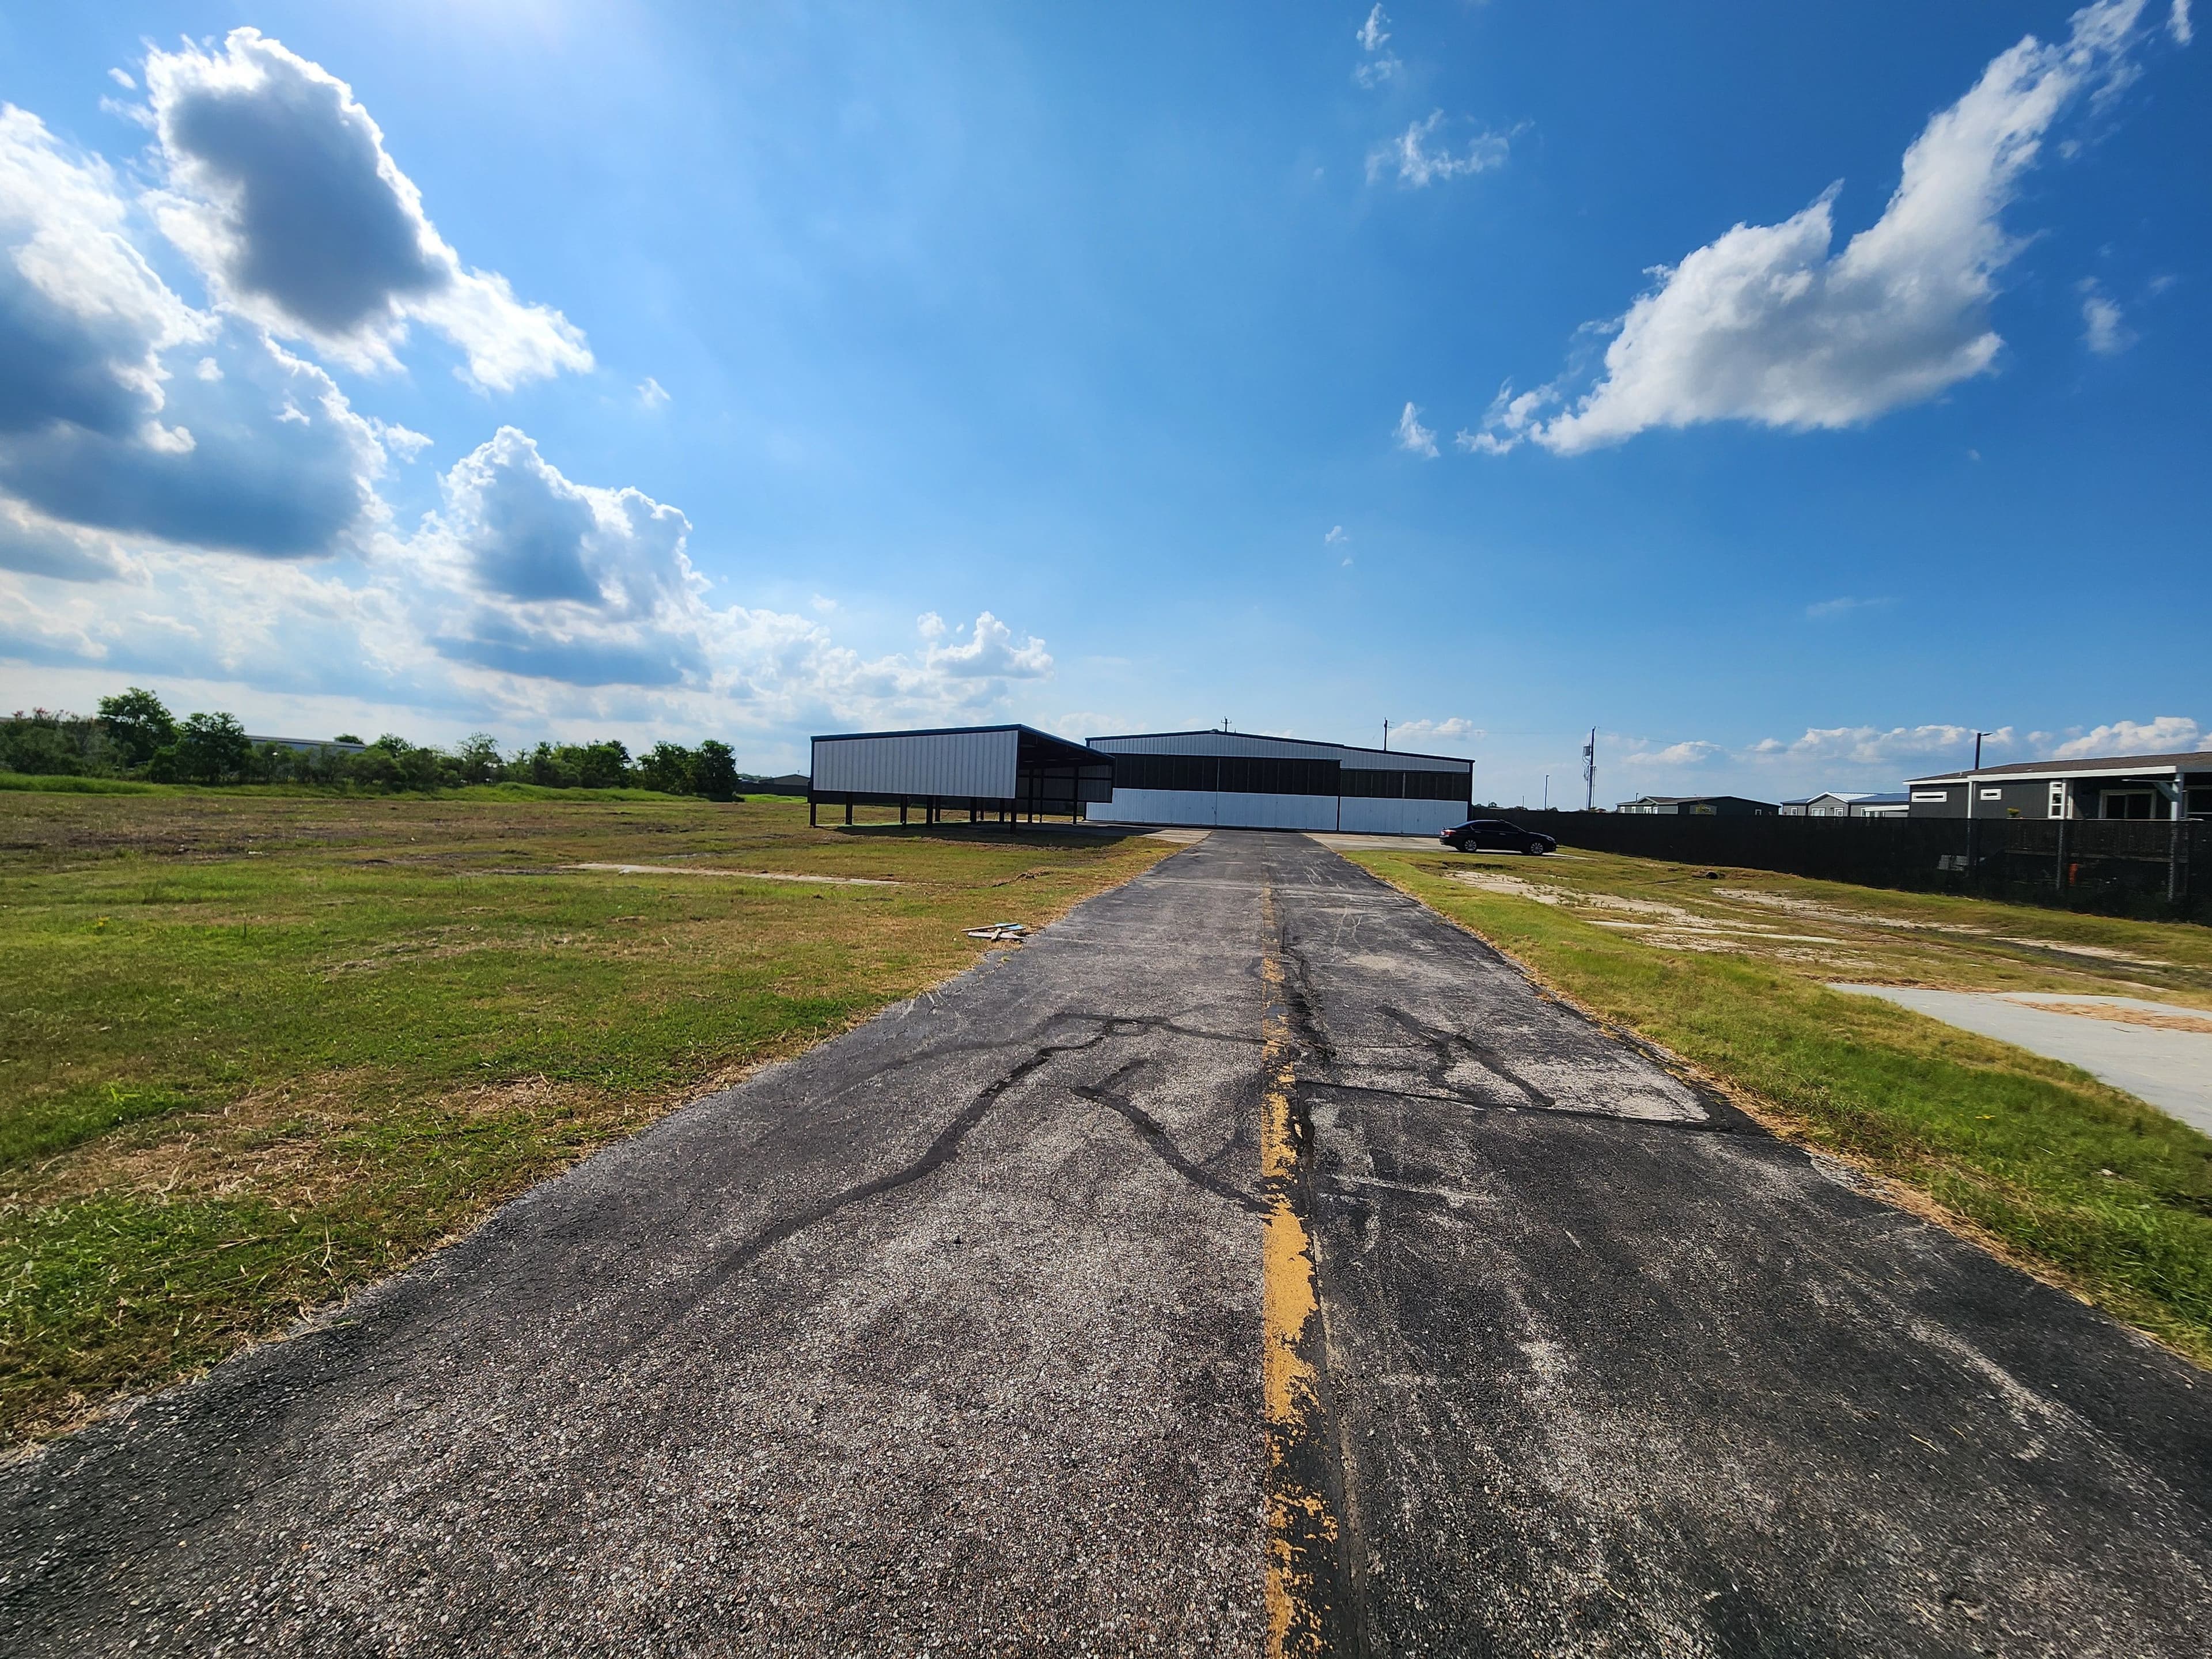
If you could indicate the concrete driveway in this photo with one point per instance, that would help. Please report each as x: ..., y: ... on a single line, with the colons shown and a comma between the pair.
x: 1253, y: 1262
x: 2155, y: 1051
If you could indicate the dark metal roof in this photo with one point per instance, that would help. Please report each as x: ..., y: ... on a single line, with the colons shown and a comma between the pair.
x: 927, y: 732
x: 2199, y: 760
x: 961, y: 731
x: 1276, y: 737
x: 309, y: 743
x: 1676, y: 800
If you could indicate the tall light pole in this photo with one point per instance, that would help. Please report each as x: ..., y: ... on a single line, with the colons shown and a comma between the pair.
x: 1590, y: 772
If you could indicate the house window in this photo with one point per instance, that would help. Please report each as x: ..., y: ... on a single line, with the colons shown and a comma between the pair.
x: 1931, y: 794
x: 2128, y: 803
x: 1992, y: 794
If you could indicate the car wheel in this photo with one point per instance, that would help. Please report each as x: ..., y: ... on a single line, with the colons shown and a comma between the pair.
x: 1532, y: 847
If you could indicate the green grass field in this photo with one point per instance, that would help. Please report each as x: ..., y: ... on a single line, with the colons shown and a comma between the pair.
x: 2072, y: 1179
x: 260, y: 1048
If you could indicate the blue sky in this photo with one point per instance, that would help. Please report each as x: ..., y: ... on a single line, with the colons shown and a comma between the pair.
x: 1785, y: 392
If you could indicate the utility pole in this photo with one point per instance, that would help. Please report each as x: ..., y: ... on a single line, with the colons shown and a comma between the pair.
x: 1590, y: 772
x: 1548, y: 791
x: 1974, y: 827
x: 1385, y: 737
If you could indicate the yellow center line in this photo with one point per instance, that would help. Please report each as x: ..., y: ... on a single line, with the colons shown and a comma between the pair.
x: 1296, y: 1514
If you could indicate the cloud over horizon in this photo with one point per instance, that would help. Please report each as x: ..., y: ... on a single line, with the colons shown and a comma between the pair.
x: 183, y: 496
x: 1764, y: 324
x: 1881, y: 758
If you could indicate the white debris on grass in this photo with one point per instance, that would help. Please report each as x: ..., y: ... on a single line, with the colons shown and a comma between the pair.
x: 735, y: 875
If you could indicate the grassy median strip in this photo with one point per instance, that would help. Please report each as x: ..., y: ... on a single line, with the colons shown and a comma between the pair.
x: 2074, y: 1180
x: 259, y: 1049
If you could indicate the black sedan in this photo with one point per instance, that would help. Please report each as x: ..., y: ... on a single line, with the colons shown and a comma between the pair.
x: 1495, y: 834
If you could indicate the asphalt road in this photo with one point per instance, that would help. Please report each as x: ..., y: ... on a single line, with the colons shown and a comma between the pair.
x: 1253, y: 1259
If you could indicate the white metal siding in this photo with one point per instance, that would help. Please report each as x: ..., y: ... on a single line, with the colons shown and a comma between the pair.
x: 1242, y: 743
x: 1401, y: 817
x: 951, y: 764
x: 1226, y: 808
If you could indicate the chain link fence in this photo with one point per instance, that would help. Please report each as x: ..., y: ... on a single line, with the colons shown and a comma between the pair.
x: 2115, y: 868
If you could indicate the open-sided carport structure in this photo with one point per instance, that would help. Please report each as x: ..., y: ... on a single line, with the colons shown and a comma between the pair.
x: 999, y: 773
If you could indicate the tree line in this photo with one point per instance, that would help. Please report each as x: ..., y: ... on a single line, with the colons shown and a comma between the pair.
x: 134, y: 735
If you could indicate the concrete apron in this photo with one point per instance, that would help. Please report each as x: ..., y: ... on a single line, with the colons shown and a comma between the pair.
x: 2156, y: 1051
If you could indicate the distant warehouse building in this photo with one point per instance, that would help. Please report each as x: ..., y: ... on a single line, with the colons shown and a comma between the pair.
x: 1698, y: 806
x: 1232, y: 779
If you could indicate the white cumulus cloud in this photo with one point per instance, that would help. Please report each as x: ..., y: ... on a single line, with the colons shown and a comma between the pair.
x: 128, y: 417
x: 989, y: 652
x: 184, y: 500
x: 1766, y: 324
x: 1690, y: 752
x: 1871, y: 745
x: 280, y: 189
x: 1455, y: 728
x: 2168, y: 734
x: 559, y: 580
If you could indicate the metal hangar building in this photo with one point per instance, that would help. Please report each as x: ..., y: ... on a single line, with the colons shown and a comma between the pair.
x: 1223, y: 780
x: 1233, y: 780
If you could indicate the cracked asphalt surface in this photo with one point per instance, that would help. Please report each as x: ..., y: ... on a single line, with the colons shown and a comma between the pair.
x: 948, y: 1336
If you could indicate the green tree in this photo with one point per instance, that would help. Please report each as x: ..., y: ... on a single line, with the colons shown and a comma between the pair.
x: 213, y: 748
x: 392, y: 762
x: 41, y: 742
x: 714, y: 772
x: 667, y: 767
x: 138, y: 724
x: 603, y: 765
x: 551, y: 767
x: 478, y: 759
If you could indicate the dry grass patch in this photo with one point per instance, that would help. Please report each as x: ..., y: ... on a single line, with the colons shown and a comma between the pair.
x: 261, y: 1050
